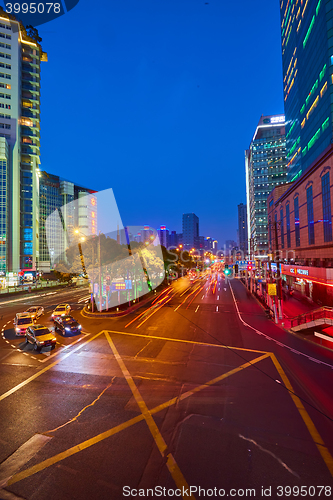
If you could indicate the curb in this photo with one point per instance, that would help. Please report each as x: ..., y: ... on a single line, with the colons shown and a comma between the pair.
x: 89, y: 315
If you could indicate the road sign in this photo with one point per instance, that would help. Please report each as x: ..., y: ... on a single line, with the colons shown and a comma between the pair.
x: 271, y: 288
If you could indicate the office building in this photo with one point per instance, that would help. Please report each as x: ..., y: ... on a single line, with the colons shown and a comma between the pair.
x: 307, y: 58
x: 242, y: 228
x: 265, y: 166
x: 57, y: 194
x: 173, y: 239
x: 20, y: 60
x: 163, y: 234
x: 190, y: 231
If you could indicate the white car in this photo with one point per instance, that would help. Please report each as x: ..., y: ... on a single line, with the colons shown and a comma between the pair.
x: 22, y: 321
x: 36, y: 311
x: 61, y: 310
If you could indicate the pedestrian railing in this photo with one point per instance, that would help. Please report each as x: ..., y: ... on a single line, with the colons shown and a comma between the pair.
x: 32, y: 286
x: 321, y: 313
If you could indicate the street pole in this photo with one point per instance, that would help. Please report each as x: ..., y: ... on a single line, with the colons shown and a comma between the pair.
x: 99, y: 272
x: 278, y: 275
x: 93, y: 277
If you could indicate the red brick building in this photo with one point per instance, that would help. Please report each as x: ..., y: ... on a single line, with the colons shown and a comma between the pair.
x: 300, y: 228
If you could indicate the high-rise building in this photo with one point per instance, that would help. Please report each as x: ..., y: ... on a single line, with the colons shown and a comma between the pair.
x: 265, y: 166
x: 20, y: 58
x: 242, y: 228
x: 190, y: 231
x: 55, y: 194
x: 173, y: 239
x: 307, y: 58
x: 163, y: 234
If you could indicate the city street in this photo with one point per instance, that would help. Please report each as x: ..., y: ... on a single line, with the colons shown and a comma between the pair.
x: 196, y: 389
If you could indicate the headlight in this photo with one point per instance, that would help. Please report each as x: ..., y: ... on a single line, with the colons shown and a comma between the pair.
x: 17, y: 329
x: 68, y: 329
x: 52, y: 315
x: 79, y: 327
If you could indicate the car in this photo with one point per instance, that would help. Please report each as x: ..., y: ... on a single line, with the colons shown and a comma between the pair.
x: 61, y: 310
x: 36, y: 311
x: 67, y: 324
x: 21, y: 322
x: 40, y: 336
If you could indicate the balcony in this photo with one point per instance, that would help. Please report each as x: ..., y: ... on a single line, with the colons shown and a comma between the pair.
x: 27, y: 86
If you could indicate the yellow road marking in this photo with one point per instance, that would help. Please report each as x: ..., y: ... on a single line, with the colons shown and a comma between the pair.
x: 187, y: 341
x: 174, y: 470
x: 71, y: 451
x: 100, y: 437
x: 114, y: 430
x: 327, y: 457
x: 33, y: 377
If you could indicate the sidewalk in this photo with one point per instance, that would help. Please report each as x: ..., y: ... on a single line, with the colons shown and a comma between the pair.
x: 295, y: 305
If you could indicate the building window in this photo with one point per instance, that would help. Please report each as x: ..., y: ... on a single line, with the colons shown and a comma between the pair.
x: 327, y: 215
x: 309, y: 202
x: 297, y: 230
x: 288, y: 225
x: 281, y: 228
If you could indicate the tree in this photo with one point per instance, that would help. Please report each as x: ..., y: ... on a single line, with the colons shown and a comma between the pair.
x: 33, y: 33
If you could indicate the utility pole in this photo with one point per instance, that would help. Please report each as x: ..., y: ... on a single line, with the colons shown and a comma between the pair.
x: 99, y: 272
x: 93, y: 276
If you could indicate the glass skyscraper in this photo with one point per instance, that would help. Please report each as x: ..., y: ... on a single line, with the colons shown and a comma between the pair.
x: 307, y: 59
x: 265, y: 165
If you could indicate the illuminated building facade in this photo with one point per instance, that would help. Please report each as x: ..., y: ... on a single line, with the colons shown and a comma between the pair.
x: 307, y: 60
x: 265, y: 166
x: 20, y: 58
x: 190, y: 231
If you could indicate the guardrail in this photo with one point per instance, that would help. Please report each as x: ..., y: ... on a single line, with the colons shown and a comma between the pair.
x: 322, y: 312
x: 33, y: 286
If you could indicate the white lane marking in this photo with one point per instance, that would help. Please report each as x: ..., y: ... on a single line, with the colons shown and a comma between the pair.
x: 21, y: 456
x: 225, y: 289
x: 197, y: 309
x: 202, y: 297
x: 271, y: 454
x: 64, y: 347
x: 218, y: 297
x: 274, y: 340
x: 217, y: 308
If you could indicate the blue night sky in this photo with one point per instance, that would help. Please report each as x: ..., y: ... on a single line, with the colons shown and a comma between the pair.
x: 158, y: 99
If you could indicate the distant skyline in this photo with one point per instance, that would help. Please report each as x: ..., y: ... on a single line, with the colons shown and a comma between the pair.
x: 158, y: 101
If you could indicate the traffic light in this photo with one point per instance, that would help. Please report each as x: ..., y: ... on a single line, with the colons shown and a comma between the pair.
x: 250, y: 267
x: 227, y: 271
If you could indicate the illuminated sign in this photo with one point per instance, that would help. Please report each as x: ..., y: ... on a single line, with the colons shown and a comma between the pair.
x: 292, y: 270
x: 277, y: 119
x: 303, y: 271
x: 271, y: 288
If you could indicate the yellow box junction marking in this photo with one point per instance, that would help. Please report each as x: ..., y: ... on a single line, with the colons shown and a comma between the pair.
x: 147, y: 414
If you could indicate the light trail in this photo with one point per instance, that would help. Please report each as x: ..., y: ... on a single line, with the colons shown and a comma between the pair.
x: 153, y: 313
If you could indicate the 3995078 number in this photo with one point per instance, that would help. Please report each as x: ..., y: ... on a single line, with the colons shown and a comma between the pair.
x: 33, y: 8
x: 303, y: 491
